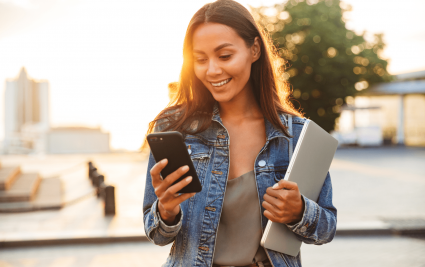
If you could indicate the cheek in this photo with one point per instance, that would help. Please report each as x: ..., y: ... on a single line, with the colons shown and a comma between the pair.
x: 241, y: 69
x: 199, y: 72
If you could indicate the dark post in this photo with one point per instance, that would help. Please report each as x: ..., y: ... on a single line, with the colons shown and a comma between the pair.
x: 91, y: 169
x: 109, y: 200
x: 101, y: 186
x: 96, y: 177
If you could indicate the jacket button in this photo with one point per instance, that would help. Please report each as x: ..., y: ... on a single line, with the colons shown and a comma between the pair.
x: 303, y: 229
x: 262, y: 163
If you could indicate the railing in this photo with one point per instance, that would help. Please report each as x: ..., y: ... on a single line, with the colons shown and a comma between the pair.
x: 104, y: 191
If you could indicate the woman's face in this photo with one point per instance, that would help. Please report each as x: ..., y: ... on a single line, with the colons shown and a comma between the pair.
x: 222, y: 61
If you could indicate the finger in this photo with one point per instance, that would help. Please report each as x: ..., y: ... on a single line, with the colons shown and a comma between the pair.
x: 178, y: 200
x: 272, y: 209
x: 286, y: 185
x: 276, y: 193
x: 156, y: 172
x: 274, y: 201
x: 271, y: 217
x: 172, y: 190
x: 174, y: 176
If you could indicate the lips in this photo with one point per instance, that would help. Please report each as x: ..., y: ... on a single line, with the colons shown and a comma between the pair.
x: 221, y: 83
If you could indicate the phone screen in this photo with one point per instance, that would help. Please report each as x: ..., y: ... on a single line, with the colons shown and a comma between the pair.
x: 170, y: 145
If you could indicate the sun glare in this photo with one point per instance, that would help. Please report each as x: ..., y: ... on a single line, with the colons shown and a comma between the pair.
x: 109, y: 63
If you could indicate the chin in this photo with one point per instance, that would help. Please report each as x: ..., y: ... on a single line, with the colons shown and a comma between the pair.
x: 222, y: 97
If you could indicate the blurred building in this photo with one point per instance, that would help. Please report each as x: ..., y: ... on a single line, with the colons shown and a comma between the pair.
x: 395, y: 111
x: 64, y: 140
x: 26, y: 113
x: 27, y: 123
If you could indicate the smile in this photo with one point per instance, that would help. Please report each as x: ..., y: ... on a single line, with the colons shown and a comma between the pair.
x: 221, y: 83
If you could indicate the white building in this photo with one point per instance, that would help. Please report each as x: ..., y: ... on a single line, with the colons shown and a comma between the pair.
x: 26, y: 113
x: 389, y: 113
x: 67, y: 140
x: 403, y: 108
x: 27, y: 123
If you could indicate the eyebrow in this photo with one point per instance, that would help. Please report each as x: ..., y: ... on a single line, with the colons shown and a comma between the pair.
x: 215, y: 49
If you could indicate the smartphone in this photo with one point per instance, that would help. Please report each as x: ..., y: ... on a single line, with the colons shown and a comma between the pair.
x: 170, y: 145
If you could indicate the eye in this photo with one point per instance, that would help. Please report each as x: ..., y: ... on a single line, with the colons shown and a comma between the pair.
x: 225, y: 57
x: 200, y: 60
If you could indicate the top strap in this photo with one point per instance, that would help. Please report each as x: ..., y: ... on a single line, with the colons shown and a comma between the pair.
x: 291, y: 146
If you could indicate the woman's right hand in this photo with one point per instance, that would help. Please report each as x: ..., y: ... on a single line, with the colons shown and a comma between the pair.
x: 168, y: 198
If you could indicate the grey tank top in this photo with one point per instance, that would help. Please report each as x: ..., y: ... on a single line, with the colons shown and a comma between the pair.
x: 239, y: 232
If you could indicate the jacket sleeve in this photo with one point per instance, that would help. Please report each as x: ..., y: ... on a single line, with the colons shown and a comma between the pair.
x: 156, y: 230
x: 318, y: 225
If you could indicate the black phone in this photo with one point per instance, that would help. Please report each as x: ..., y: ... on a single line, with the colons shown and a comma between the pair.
x: 170, y: 145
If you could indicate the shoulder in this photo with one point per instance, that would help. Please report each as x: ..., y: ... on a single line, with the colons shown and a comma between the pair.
x: 296, y: 125
x: 298, y: 120
x: 166, y: 117
x: 284, y: 117
x: 170, y: 115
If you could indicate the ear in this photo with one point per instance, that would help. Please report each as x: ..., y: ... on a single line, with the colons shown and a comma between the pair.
x: 256, y: 49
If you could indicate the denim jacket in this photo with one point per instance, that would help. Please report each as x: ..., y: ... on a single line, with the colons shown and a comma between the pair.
x: 194, y: 235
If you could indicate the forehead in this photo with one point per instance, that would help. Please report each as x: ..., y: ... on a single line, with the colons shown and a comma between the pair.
x: 208, y: 36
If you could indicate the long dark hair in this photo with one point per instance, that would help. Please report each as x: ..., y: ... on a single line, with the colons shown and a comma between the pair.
x: 271, y: 91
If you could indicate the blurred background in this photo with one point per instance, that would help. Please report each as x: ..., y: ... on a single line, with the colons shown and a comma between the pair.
x: 82, y: 79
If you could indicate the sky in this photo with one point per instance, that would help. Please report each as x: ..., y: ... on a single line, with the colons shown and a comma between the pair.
x: 108, y: 62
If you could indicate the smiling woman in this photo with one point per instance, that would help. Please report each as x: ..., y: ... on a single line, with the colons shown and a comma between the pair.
x: 229, y: 36
x: 231, y: 88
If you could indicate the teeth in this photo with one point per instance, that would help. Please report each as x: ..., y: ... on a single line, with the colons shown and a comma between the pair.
x: 221, y: 83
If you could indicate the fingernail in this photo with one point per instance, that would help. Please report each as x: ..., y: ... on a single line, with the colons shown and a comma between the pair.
x: 163, y: 160
x: 275, y: 186
x: 188, y: 179
x: 185, y: 168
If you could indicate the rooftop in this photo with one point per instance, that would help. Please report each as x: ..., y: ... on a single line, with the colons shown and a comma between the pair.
x: 396, y: 88
x: 75, y: 128
x: 417, y: 75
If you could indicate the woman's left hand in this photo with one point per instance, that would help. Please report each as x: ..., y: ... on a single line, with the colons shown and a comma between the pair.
x: 283, y: 203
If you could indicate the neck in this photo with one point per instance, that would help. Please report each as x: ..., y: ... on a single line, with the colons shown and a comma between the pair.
x: 243, y: 106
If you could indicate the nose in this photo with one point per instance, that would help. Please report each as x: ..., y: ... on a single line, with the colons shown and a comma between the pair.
x: 213, y: 69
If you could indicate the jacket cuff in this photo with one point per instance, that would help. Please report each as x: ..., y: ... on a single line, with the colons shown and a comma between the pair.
x: 164, y: 229
x: 309, y: 219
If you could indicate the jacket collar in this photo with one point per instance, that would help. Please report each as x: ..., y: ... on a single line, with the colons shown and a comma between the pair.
x: 271, y: 130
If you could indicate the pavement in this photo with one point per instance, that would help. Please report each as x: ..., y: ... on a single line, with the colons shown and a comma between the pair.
x: 378, y: 193
x: 372, y: 251
x: 82, y: 219
x: 379, y: 190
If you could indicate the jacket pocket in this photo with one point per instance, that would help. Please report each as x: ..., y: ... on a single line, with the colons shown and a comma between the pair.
x: 200, y: 162
x: 200, y: 153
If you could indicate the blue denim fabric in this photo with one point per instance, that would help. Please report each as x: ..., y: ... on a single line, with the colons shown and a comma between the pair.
x: 195, y: 234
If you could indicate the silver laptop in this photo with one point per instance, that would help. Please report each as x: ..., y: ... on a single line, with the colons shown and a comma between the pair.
x: 308, y: 168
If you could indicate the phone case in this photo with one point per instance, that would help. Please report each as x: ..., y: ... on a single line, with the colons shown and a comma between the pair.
x: 170, y: 145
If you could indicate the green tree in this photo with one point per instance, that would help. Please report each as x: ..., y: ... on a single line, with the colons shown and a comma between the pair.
x: 324, y: 61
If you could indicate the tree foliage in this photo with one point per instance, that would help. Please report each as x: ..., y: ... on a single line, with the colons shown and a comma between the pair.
x: 324, y: 61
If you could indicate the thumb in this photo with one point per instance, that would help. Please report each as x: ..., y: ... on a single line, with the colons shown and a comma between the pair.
x: 284, y: 184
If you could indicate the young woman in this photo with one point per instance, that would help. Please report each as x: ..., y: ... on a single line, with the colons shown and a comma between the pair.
x: 230, y: 89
